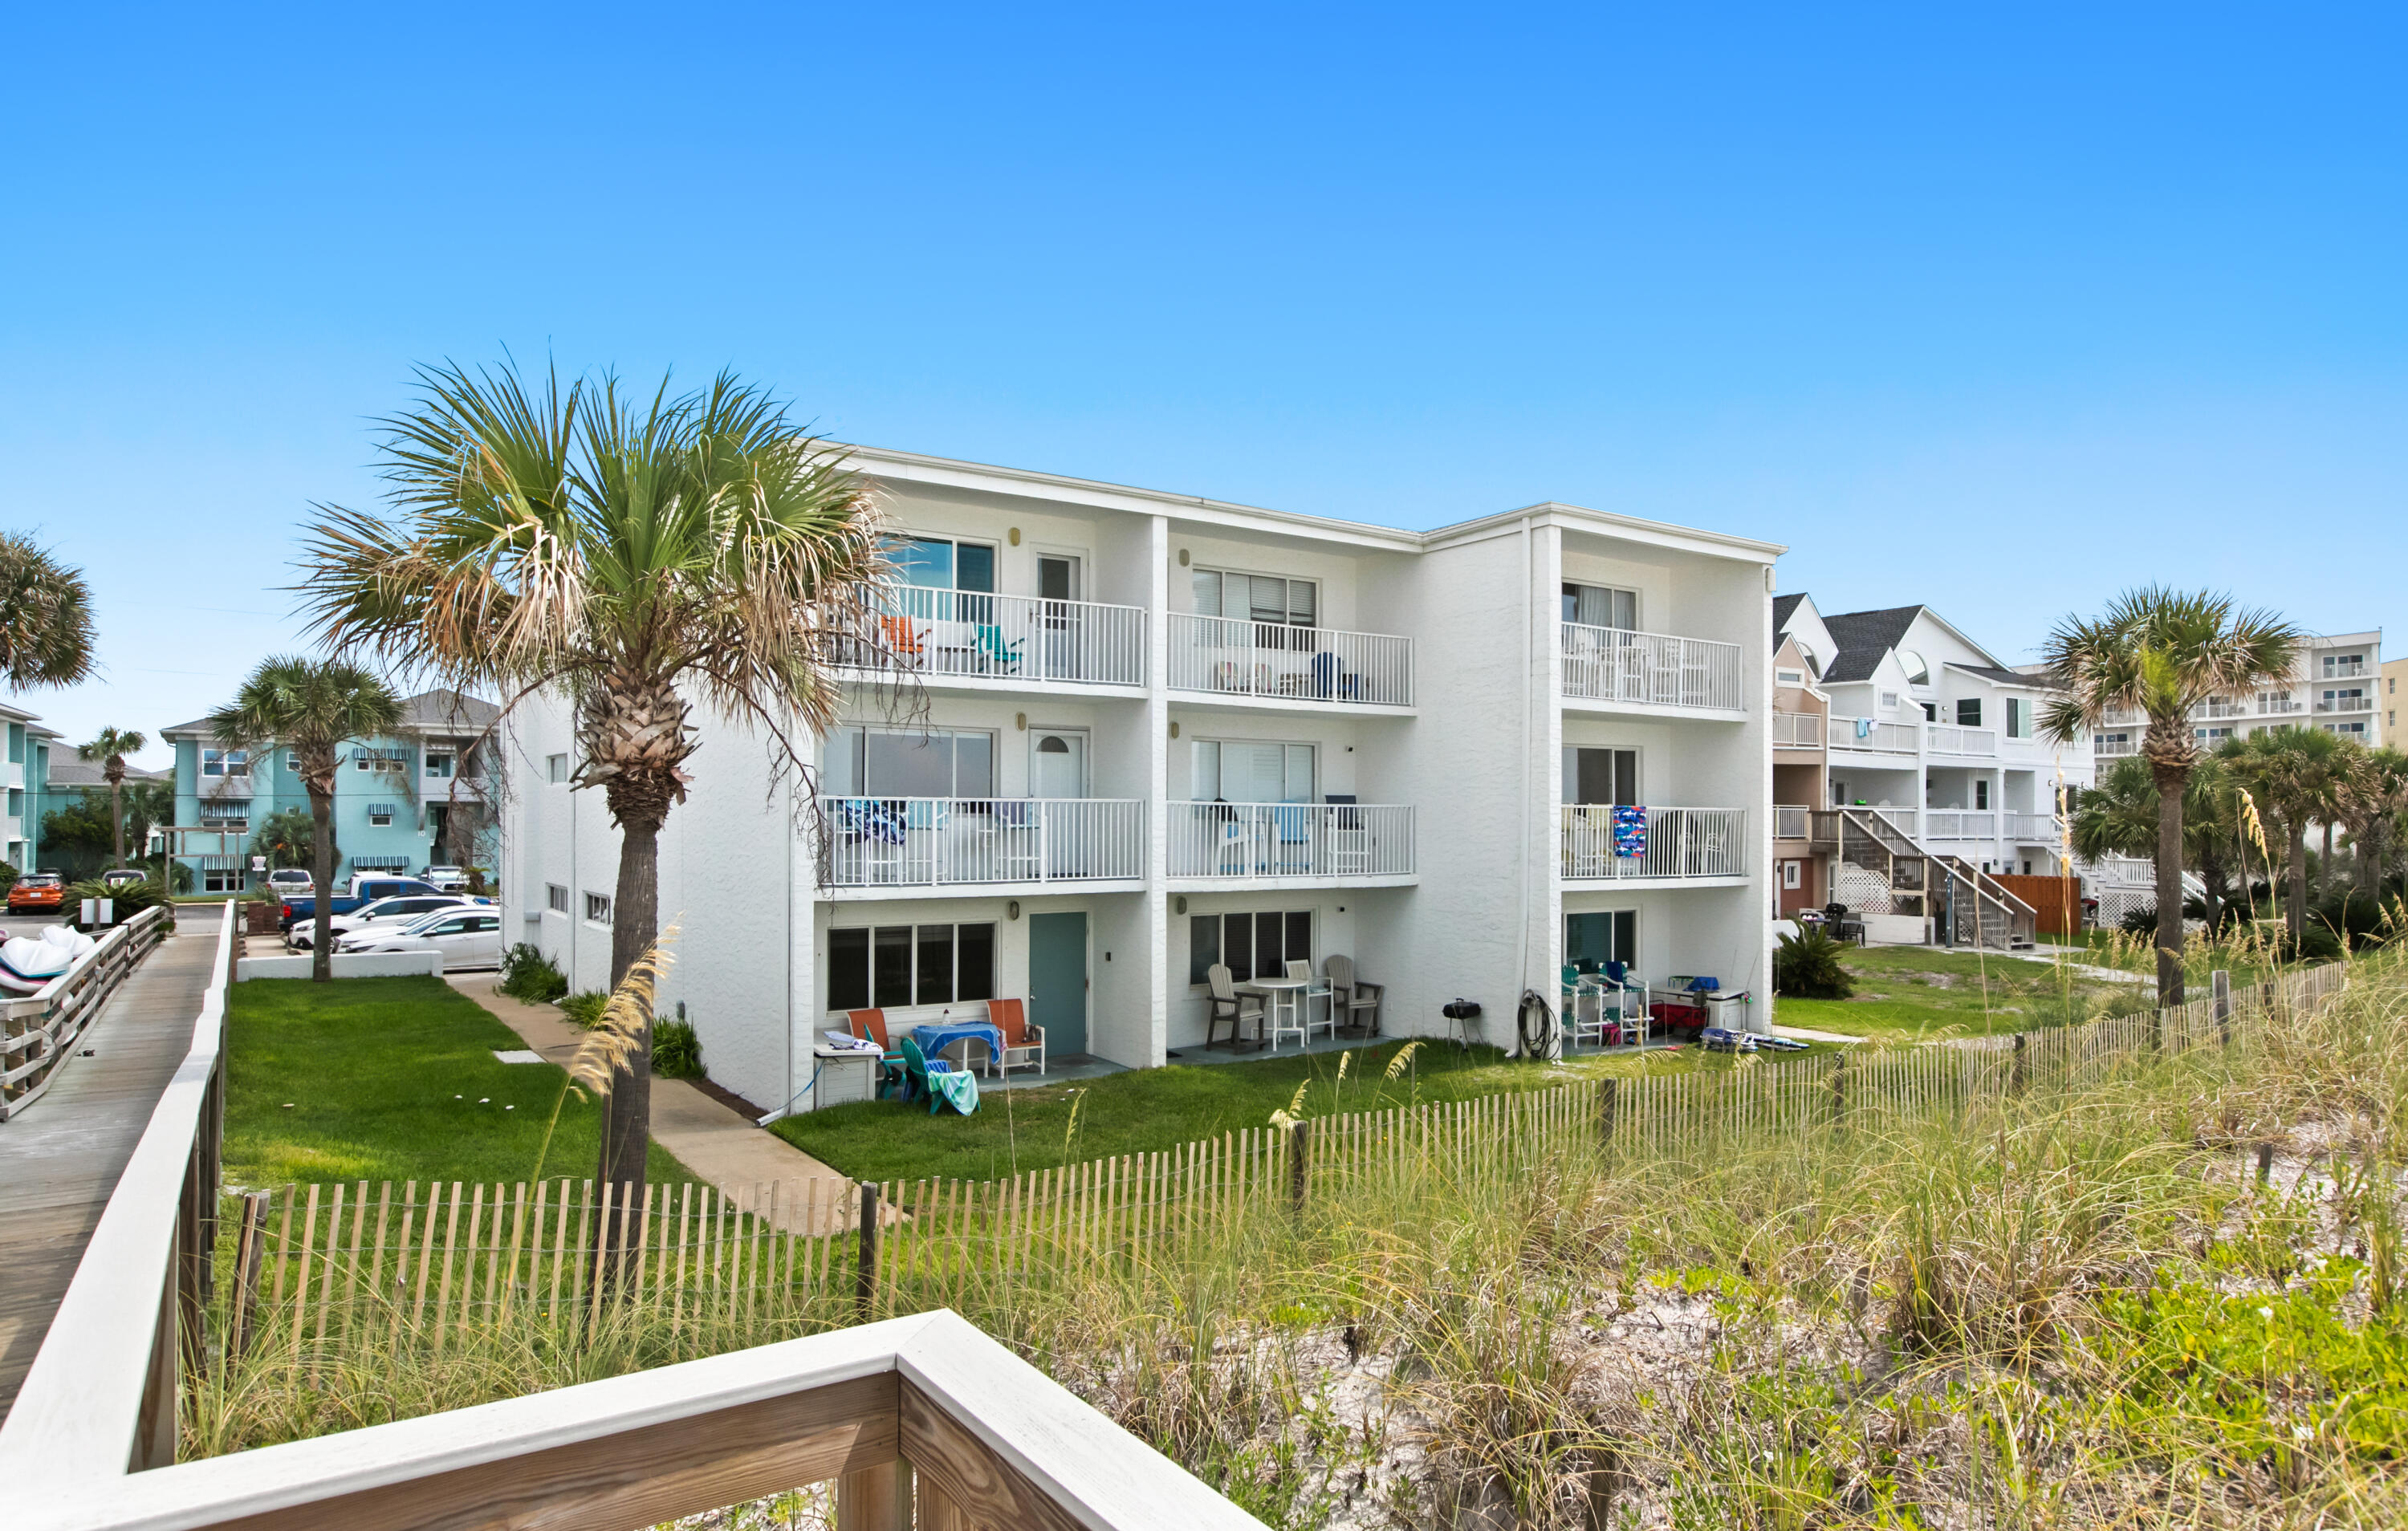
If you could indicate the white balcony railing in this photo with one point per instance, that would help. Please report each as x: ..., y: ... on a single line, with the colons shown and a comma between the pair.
x: 2345, y: 703
x: 2276, y: 706
x: 1959, y: 824
x: 1614, y: 664
x: 1887, y: 739
x: 1021, y: 637
x: 2032, y: 828
x: 1230, y: 656
x: 2105, y: 745
x: 1272, y: 841
x: 1949, y: 739
x: 1676, y: 842
x: 1791, y: 824
x: 1796, y: 730
x: 881, y: 842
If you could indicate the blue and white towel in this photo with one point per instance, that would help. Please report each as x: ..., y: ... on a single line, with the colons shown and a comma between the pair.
x: 1629, y: 830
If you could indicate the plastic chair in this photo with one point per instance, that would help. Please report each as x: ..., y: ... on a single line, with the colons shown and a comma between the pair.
x: 870, y: 1027
x: 917, y: 1066
x: 1228, y: 1004
x: 1350, y: 993
x: 902, y: 639
x: 1010, y: 1017
x: 999, y: 654
x: 1298, y: 969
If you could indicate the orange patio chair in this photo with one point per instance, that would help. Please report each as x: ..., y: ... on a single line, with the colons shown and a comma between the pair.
x: 870, y: 1027
x: 1010, y: 1017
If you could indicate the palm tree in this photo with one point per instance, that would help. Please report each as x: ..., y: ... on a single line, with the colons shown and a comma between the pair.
x: 45, y: 636
x: 110, y: 747
x: 2161, y: 652
x: 2119, y: 817
x: 2295, y: 773
x: 2373, y: 802
x: 627, y: 554
x: 148, y: 805
x: 311, y: 707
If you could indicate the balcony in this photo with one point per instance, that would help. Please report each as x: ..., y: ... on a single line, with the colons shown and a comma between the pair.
x: 923, y: 842
x: 1796, y: 730
x: 1949, y: 739
x: 1284, y: 843
x: 1232, y: 657
x: 2345, y: 703
x: 1873, y: 735
x: 974, y: 635
x: 1959, y: 824
x: 2033, y: 828
x: 1677, y: 843
x: 1792, y: 822
x: 1650, y: 669
x: 2107, y: 747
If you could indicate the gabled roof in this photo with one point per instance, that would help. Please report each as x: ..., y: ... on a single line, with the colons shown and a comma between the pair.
x: 437, y: 711
x: 69, y: 769
x: 2027, y: 680
x: 1864, y: 638
x: 1782, y: 607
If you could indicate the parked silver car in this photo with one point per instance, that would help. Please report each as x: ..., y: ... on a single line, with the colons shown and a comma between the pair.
x: 398, y: 910
x: 468, y: 938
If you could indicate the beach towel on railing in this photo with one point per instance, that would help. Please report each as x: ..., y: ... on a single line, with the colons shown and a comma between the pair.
x: 873, y: 820
x: 1629, y: 830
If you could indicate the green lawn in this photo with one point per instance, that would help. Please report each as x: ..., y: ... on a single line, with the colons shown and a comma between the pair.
x: 1907, y: 993
x: 1148, y: 1110
x: 391, y: 1078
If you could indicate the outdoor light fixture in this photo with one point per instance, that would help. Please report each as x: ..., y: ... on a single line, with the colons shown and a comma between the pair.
x: 1012, y: 909
x: 1020, y: 720
x: 1015, y: 535
x: 1183, y: 558
x: 1182, y: 902
x: 1174, y: 730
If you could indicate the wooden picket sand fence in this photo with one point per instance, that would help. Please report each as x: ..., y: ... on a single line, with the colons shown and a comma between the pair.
x: 326, y: 1271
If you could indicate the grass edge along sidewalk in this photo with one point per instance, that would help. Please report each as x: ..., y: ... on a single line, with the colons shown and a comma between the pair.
x: 340, y: 1293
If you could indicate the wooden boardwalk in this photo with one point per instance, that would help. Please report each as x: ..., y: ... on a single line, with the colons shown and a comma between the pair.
x: 60, y: 1161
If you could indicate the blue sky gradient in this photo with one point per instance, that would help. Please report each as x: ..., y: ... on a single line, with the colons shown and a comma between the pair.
x: 2002, y: 309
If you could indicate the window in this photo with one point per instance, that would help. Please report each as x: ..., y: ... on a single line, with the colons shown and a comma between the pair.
x: 229, y: 762
x: 439, y: 763
x: 226, y: 813
x: 1980, y: 792
x: 380, y: 760
x: 1603, y: 935
x: 2211, y: 737
x: 1930, y: 712
x: 1969, y: 713
x: 597, y: 908
x: 1601, y: 606
x: 1889, y: 701
x: 2336, y: 667
x: 555, y: 769
x: 380, y: 815
x: 1248, y: 771
x: 1600, y: 776
x: 1789, y: 678
x: 2019, y: 718
x: 1791, y: 875
x: 2349, y: 730
x: 227, y: 880
x: 1813, y: 664
x: 1917, y: 668
x: 1256, y: 597
x: 16, y: 744
x: 2111, y: 744
x: 2351, y: 700
x: 893, y: 966
x: 16, y: 802
x: 935, y: 563
x: 556, y: 898
x: 909, y: 763
x: 1250, y: 944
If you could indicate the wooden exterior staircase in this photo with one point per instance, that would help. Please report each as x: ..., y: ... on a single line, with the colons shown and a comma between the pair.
x: 1966, y: 905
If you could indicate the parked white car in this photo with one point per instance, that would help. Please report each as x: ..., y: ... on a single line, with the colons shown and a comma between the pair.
x: 397, y: 911
x: 288, y: 881
x: 449, y: 879
x: 468, y: 937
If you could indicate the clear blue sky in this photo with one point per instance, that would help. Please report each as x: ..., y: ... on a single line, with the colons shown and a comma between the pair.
x: 2000, y: 308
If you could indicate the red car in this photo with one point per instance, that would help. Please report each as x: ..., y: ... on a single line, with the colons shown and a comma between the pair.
x: 38, y: 893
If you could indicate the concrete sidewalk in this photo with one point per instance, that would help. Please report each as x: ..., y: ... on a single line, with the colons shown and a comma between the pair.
x: 712, y: 1140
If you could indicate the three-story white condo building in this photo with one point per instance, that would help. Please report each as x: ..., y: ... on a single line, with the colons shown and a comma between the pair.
x: 1116, y: 736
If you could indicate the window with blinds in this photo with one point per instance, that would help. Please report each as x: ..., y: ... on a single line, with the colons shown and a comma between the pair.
x: 909, y: 763
x: 1256, y: 597
x: 1249, y: 771
x: 1601, y: 606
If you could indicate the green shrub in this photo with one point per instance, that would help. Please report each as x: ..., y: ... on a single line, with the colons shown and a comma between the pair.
x: 530, y: 976
x: 585, y: 1008
x: 1807, y: 965
x: 126, y: 902
x: 677, y: 1052
x: 2140, y: 921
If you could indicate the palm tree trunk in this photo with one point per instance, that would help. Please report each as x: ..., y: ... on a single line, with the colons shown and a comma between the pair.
x: 635, y: 926
x: 322, y: 873
x: 2324, y: 866
x: 2295, y: 911
x: 117, y: 817
x: 2171, y: 782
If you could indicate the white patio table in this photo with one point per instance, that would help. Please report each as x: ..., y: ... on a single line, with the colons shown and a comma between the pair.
x: 1291, y: 992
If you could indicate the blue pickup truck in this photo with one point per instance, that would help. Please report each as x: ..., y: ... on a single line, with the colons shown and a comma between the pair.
x: 359, y: 891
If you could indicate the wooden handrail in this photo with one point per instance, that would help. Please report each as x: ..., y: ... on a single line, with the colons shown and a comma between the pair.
x: 985, y: 1433
x: 100, y: 1398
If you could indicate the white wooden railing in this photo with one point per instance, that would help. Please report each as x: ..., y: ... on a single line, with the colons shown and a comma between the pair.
x: 1275, y: 841
x: 1019, y: 638
x: 2032, y: 828
x: 1231, y: 656
x: 38, y: 1032
x: 1679, y: 842
x: 1888, y: 738
x: 1959, y: 824
x: 1797, y: 730
x: 1950, y: 740
x: 881, y: 842
x: 1791, y: 822
x: 1615, y: 664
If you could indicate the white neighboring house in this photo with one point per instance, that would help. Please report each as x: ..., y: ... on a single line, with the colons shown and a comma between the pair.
x: 1934, y: 766
x: 2336, y: 686
x: 1157, y: 730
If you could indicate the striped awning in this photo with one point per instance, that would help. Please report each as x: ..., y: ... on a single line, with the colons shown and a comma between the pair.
x: 385, y: 808
x: 379, y: 864
x: 220, y: 864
